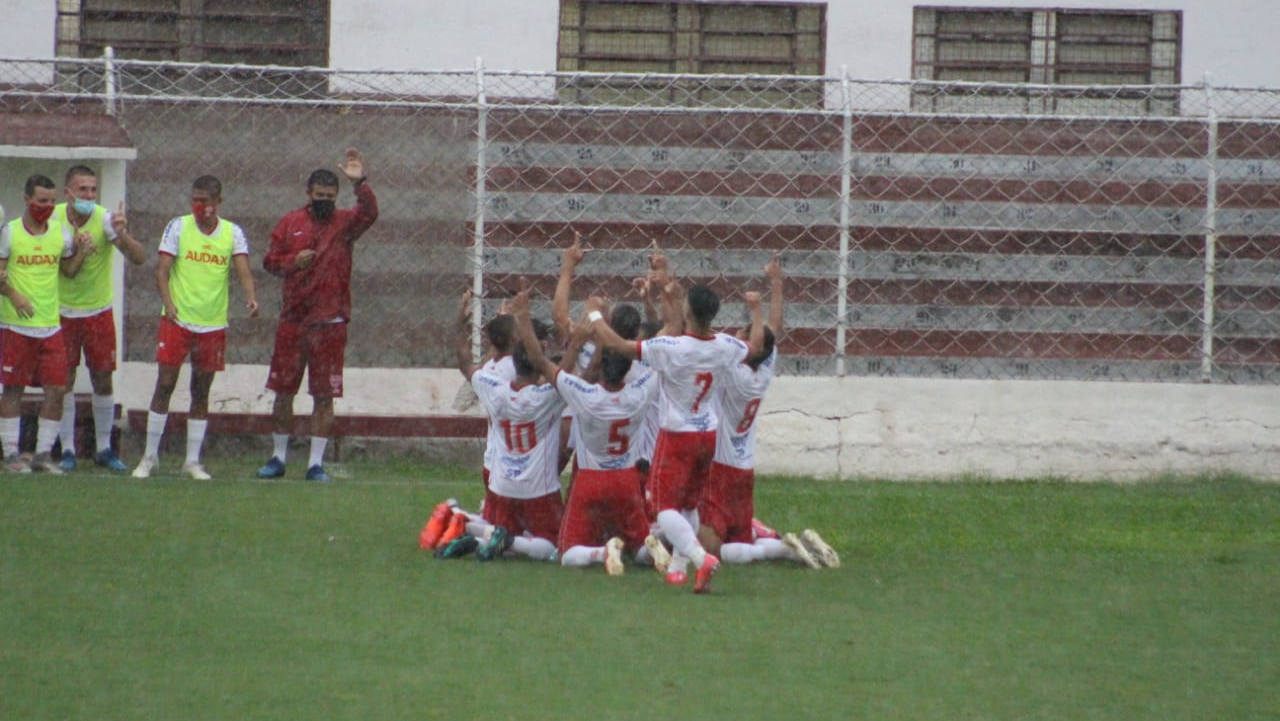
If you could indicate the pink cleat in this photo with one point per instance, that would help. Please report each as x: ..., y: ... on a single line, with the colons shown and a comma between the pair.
x: 702, y: 580
x: 763, y: 531
x: 677, y: 578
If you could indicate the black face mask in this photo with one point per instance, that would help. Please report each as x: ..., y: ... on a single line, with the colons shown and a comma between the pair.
x: 322, y: 210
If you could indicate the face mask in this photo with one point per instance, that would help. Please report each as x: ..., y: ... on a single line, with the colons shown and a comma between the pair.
x: 39, y: 213
x: 322, y: 210
x: 204, y: 211
x: 84, y: 207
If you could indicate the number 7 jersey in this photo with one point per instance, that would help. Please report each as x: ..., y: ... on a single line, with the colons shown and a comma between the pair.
x: 690, y: 369
x: 528, y: 422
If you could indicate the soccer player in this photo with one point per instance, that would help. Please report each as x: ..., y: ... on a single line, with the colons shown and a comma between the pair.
x: 197, y: 253
x: 311, y: 249
x: 88, y: 321
x: 727, y: 504
x: 605, y: 512
x: 690, y: 370
x: 34, y: 249
x: 522, y: 502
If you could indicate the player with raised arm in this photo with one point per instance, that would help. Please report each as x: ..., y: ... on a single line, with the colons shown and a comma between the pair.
x: 728, y: 501
x: 605, y: 512
x: 522, y: 503
x: 689, y: 368
x: 88, y: 321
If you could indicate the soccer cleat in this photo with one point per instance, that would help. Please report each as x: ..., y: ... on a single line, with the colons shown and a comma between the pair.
x: 316, y: 473
x: 819, y: 548
x: 273, y: 468
x: 799, y: 551
x: 677, y: 578
x: 457, y: 526
x: 702, y: 579
x: 110, y: 461
x: 498, y: 543
x: 458, y: 547
x: 68, y: 461
x: 436, y: 523
x: 761, y: 530
x: 44, y: 462
x: 197, y: 471
x: 145, y: 466
x: 613, y: 557
x: 16, y: 464
x: 657, y: 551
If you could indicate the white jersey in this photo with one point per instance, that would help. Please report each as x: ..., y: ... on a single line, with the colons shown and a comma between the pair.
x: 504, y: 367
x: 690, y: 370
x: 607, y: 423
x: 739, y: 401
x: 528, y: 423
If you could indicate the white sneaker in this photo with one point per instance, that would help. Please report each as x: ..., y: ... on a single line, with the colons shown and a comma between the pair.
x: 819, y: 548
x: 613, y: 557
x: 197, y: 471
x: 145, y: 466
x: 801, y: 553
x: 657, y: 551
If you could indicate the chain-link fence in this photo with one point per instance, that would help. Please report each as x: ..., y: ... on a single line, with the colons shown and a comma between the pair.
x: 926, y: 229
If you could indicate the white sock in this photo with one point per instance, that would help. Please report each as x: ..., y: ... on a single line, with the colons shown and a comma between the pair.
x: 280, y: 446
x: 683, y: 537
x: 155, y: 431
x: 10, y: 431
x: 195, y: 438
x: 678, y: 563
x: 642, y: 556
x: 46, y: 432
x: 773, y: 549
x: 317, y: 451
x: 104, y: 418
x: 67, y: 426
x: 741, y: 553
x: 582, y: 556
x: 478, y: 527
x: 539, y: 549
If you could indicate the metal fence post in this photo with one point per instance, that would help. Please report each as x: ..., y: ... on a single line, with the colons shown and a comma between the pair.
x: 109, y: 78
x: 477, y: 257
x: 846, y: 183
x: 1210, y: 237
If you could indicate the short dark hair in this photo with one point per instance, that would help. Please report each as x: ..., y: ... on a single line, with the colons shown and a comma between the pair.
x: 649, y: 329
x: 37, y: 181
x: 704, y: 303
x: 502, y: 332
x: 625, y: 321
x: 541, y: 328
x: 765, y: 350
x: 613, y: 368
x: 520, y: 357
x: 326, y: 178
x: 208, y: 184
x: 75, y: 170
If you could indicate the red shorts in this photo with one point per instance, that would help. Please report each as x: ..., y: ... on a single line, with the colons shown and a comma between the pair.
x: 604, y: 504
x: 681, y: 463
x: 539, y: 516
x: 95, y: 336
x: 207, y: 350
x: 27, y: 361
x: 317, y: 349
x: 728, y: 503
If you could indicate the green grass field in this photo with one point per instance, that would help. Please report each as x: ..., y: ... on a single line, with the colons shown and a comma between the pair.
x: 238, y: 599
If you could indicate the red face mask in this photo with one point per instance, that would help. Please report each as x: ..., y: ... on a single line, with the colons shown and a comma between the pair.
x: 204, y: 211
x: 39, y: 213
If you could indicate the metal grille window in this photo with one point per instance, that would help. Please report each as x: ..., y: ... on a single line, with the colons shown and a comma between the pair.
x: 606, y: 36
x: 1046, y: 47
x: 252, y: 32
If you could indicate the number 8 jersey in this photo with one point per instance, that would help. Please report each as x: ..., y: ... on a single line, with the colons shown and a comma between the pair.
x: 740, y: 400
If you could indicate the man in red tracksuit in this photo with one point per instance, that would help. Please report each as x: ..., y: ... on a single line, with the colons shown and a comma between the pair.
x: 311, y: 249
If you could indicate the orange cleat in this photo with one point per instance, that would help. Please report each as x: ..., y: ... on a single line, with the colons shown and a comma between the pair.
x: 457, y: 526
x: 702, y: 579
x: 436, y: 524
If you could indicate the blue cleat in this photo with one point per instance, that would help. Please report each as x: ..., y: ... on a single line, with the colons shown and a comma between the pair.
x: 110, y: 461
x: 273, y: 468
x: 68, y: 461
x: 315, y: 473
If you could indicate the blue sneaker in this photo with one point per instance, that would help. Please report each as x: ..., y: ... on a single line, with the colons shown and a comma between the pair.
x: 110, y: 461
x: 68, y: 462
x: 316, y: 473
x: 273, y: 468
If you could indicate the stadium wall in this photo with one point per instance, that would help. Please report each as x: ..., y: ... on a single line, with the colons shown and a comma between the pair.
x: 895, y: 428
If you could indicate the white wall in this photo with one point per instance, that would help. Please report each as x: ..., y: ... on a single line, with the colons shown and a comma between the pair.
x: 895, y: 428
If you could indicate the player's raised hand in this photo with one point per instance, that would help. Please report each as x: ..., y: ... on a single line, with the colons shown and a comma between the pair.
x: 520, y: 303
x: 574, y: 253
x: 119, y: 221
x: 595, y: 303
x: 464, y: 306
x: 641, y: 286
x: 773, y: 269
x: 352, y: 165
x: 752, y: 299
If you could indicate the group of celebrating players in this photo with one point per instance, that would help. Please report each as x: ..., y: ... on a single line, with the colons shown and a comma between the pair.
x: 657, y: 416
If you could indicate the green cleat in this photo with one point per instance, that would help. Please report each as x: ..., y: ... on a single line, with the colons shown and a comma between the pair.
x: 458, y: 547
x: 498, y: 543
